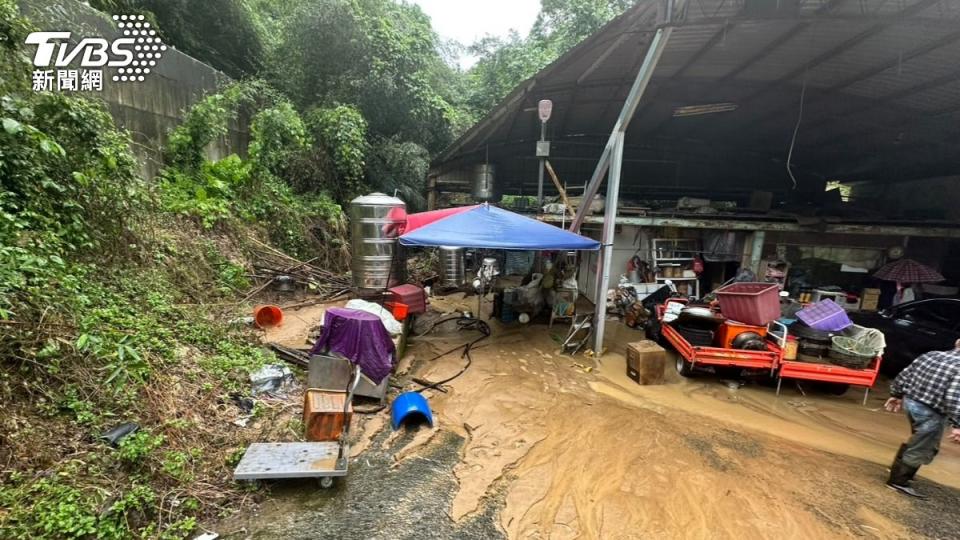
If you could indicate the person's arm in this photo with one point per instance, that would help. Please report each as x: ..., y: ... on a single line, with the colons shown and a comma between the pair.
x: 899, y: 387
x: 952, y: 401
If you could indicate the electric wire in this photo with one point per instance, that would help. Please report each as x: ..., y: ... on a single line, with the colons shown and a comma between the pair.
x: 463, y: 323
x: 796, y: 130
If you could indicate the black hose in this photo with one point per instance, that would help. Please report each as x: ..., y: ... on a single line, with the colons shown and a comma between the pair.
x: 463, y: 323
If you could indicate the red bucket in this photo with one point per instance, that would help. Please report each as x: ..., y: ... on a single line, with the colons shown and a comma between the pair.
x: 267, y: 316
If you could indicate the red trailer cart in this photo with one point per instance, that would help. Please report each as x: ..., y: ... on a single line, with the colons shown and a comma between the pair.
x: 772, y: 359
x: 813, y: 371
x: 690, y: 356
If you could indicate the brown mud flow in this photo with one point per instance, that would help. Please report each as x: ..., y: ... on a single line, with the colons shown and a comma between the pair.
x: 531, y: 444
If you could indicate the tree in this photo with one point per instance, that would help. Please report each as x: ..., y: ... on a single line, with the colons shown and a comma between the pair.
x: 562, y: 24
x: 502, y: 65
x: 505, y: 63
x: 378, y: 55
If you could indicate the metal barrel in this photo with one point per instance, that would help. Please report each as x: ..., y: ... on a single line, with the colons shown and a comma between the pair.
x: 452, y: 266
x: 484, y: 183
x: 376, y: 221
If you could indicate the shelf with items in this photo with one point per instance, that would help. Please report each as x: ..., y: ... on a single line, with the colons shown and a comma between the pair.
x: 673, y: 259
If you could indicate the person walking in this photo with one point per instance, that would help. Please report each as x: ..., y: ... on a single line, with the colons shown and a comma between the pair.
x: 929, y: 390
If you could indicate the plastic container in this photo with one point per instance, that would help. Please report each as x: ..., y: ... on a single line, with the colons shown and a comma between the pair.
x: 398, y: 309
x: 750, y: 303
x: 825, y: 315
x: 792, y: 348
x: 267, y: 316
x: 410, y: 405
x: 411, y: 295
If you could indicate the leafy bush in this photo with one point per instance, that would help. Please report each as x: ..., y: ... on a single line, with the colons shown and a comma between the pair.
x: 135, y: 448
x: 342, y: 132
x: 402, y: 166
x: 47, y: 508
x: 70, y: 190
x: 210, y: 118
x: 277, y: 133
x: 206, y: 194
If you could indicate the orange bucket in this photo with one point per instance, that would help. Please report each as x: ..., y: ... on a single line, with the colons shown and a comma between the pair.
x: 267, y: 316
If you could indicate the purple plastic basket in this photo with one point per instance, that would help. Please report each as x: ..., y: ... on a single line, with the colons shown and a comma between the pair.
x: 825, y: 315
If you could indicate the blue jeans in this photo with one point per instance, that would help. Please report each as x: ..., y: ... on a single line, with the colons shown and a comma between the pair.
x: 927, y: 426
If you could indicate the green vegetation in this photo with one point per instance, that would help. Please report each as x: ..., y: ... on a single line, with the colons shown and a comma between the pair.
x: 378, y: 93
x: 504, y: 63
x: 104, y: 279
x: 109, y: 282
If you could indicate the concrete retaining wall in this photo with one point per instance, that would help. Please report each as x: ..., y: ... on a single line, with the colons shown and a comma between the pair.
x: 148, y: 109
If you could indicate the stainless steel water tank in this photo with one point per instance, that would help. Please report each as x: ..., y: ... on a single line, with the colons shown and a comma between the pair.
x: 377, y: 261
x: 453, y: 271
x: 484, y: 183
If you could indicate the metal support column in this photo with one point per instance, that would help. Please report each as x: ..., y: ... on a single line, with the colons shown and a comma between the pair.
x: 606, y: 247
x: 756, y: 253
x: 654, y: 52
x: 611, y: 161
x: 543, y: 138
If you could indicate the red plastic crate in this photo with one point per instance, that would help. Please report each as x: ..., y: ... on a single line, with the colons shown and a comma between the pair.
x: 750, y: 303
x: 413, y: 296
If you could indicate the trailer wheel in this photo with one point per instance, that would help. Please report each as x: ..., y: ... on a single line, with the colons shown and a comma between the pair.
x: 684, y: 368
x: 834, y: 389
x: 730, y: 372
x: 326, y: 482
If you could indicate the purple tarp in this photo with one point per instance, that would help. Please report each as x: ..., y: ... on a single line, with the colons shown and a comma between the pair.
x: 359, y: 337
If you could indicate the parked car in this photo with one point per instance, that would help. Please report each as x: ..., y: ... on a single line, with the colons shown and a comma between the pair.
x: 914, y: 328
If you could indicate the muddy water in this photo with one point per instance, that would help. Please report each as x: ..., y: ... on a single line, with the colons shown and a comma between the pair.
x: 835, y: 424
x: 532, y: 444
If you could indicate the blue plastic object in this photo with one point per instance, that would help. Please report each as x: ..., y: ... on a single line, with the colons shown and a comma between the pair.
x: 494, y: 228
x: 407, y: 404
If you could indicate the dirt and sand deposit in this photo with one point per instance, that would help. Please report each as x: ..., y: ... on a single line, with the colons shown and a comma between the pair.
x: 562, y: 447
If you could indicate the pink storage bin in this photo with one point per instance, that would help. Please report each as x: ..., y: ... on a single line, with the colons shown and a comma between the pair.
x: 750, y: 303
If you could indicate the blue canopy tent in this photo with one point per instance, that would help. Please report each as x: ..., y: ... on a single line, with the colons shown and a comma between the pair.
x: 490, y: 227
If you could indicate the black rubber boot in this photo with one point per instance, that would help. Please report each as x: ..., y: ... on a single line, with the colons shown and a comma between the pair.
x: 900, y: 476
x: 903, y: 448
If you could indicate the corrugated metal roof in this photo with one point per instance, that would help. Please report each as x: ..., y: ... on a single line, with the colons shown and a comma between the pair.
x: 873, y: 73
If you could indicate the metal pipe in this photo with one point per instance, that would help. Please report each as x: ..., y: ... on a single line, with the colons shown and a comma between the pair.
x: 654, y: 52
x: 606, y: 248
x: 543, y: 137
x: 756, y: 252
x: 612, y: 160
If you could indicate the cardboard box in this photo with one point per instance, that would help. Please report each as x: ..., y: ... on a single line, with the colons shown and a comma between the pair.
x: 870, y: 299
x: 646, y: 362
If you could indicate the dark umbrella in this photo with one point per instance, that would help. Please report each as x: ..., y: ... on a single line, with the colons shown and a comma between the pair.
x: 908, y: 271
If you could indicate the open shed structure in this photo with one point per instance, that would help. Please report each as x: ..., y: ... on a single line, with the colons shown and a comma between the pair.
x: 725, y: 98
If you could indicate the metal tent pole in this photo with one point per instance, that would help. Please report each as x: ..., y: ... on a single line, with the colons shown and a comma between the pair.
x: 612, y: 161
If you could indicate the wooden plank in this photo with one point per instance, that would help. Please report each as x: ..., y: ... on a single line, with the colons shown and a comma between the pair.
x: 778, y: 226
x: 559, y: 186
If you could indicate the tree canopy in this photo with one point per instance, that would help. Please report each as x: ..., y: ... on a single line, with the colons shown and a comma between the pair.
x: 506, y: 62
x: 378, y: 90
